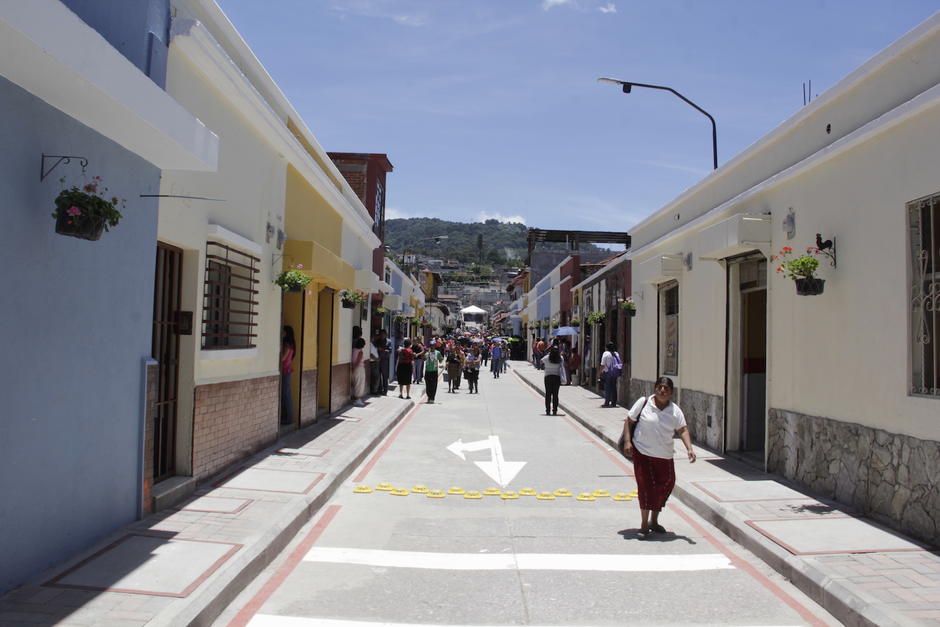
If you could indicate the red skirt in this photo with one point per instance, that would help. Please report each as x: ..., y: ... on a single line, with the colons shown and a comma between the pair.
x: 655, y: 479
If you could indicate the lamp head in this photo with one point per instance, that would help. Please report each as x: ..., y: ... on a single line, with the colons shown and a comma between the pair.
x: 627, y: 87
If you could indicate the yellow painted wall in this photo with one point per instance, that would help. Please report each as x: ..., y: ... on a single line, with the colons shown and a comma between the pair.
x: 309, y: 217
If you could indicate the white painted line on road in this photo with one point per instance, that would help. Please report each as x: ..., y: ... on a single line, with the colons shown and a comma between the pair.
x: 270, y: 620
x: 518, y: 561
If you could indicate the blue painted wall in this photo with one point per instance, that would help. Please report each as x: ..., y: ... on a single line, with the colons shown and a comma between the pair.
x: 77, y: 324
x: 138, y: 29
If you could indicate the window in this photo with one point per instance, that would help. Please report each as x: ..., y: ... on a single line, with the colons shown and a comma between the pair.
x: 669, y: 330
x: 924, y: 218
x: 230, y: 298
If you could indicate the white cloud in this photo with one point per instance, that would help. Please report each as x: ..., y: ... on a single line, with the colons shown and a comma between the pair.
x: 700, y: 172
x: 610, y: 7
x: 394, y: 213
x: 483, y: 216
x: 550, y: 4
x: 381, y: 9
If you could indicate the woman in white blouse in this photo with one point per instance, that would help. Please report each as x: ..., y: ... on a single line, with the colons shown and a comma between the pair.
x: 658, y: 420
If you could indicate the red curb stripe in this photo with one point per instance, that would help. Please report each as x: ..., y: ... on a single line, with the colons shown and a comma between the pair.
x: 251, y: 608
x: 740, y: 564
x: 388, y: 442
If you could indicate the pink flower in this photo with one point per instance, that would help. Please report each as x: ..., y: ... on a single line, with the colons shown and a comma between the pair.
x: 74, y: 211
x: 299, y: 266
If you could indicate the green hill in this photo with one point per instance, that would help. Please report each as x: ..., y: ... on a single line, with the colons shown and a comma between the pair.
x: 504, y: 243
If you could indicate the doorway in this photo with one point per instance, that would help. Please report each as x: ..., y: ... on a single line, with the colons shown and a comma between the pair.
x: 292, y: 315
x: 165, y: 349
x: 325, y: 306
x: 746, y: 398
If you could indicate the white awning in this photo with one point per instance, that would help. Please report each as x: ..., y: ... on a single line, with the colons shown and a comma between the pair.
x: 50, y: 52
x: 739, y: 234
x: 472, y: 309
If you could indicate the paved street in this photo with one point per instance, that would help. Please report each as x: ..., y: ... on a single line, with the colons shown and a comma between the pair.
x: 523, y: 554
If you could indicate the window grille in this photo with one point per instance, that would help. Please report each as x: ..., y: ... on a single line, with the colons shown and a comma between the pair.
x: 230, y: 299
x: 924, y: 218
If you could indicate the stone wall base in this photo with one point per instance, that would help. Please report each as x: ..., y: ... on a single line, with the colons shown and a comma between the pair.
x: 233, y: 420
x: 893, y: 478
x: 308, y: 397
x: 340, y: 394
x: 147, y: 493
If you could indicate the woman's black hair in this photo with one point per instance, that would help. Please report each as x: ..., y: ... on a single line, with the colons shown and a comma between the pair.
x: 664, y: 381
x: 611, y: 346
x: 289, y: 336
x: 359, y: 342
x: 553, y: 355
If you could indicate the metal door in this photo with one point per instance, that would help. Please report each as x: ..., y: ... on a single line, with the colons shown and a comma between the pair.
x: 165, y: 350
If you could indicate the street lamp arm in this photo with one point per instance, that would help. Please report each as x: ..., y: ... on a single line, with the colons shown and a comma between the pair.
x: 628, y: 84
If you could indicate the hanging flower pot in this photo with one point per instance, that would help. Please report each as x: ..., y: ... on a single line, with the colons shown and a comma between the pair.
x: 294, y: 280
x: 810, y: 286
x: 89, y: 228
x: 351, y: 298
x: 85, y: 213
x: 348, y: 304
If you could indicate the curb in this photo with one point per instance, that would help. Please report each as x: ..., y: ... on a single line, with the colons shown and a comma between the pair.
x: 219, y: 592
x: 843, y: 604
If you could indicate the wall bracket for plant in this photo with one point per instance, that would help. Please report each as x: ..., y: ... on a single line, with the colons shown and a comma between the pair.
x: 827, y: 248
x: 43, y: 172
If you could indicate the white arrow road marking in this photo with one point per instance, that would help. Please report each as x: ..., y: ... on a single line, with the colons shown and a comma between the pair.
x: 497, y: 469
x: 519, y: 561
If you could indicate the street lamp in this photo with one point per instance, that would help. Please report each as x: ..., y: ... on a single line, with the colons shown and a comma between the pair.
x: 627, y: 86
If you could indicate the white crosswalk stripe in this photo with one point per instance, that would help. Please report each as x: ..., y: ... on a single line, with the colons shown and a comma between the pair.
x: 519, y: 561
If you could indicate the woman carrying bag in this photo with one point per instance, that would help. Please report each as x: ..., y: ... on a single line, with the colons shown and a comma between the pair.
x: 657, y: 421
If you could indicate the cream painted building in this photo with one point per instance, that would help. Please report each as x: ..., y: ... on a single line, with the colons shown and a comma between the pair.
x: 276, y: 202
x: 839, y: 391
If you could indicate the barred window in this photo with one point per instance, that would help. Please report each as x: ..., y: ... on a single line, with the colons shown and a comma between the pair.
x: 924, y: 217
x: 230, y: 299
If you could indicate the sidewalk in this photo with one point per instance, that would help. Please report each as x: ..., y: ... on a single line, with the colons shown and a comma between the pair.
x: 184, y: 565
x: 861, y: 572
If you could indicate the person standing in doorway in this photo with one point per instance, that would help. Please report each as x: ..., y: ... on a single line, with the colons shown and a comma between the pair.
x: 433, y: 359
x: 288, y: 350
x: 552, y: 365
x: 385, y: 351
x: 358, y: 375
x: 658, y: 420
x: 375, y: 374
x: 611, y: 367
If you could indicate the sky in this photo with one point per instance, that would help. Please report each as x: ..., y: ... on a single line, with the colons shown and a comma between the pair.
x: 492, y: 109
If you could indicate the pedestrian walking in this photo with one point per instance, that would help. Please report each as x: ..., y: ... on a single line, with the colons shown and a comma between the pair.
x: 384, y: 348
x: 418, y: 350
x: 552, y: 366
x: 485, y: 354
x: 375, y: 374
x: 405, y: 369
x: 358, y: 372
x: 471, y: 370
x: 454, y: 367
x: 658, y: 420
x: 433, y: 360
x: 496, y: 357
x: 611, y: 367
x: 288, y: 350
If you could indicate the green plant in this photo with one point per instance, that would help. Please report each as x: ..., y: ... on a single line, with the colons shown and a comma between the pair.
x: 802, y: 267
x: 356, y: 297
x: 575, y: 322
x: 399, y: 317
x: 91, y: 202
x: 381, y: 311
x: 595, y: 318
x: 293, y: 279
x: 555, y: 324
x: 626, y: 304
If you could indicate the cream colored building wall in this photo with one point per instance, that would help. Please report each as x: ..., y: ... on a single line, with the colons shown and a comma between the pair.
x: 250, y: 186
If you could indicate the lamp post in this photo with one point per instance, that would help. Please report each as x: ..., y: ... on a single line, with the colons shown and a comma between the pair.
x: 627, y: 86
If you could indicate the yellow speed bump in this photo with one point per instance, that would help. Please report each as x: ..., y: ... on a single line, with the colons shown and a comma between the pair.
x: 362, y: 489
x: 385, y: 487
x: 508, y: 496
x: 563, y: 492
x: 492, y: 492
x: 527, y: 492
x: 399, y: 492
x: 436, y: 494
x: 420, y: 489
x: 473, y: 495
x: 622, y: 496
x: 586, y: 496
x: 456, y: 491
x: 545, y: 496
x: 601, y: 493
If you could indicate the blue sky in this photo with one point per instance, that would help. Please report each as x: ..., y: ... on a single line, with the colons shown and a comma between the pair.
x: 490, y: 108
